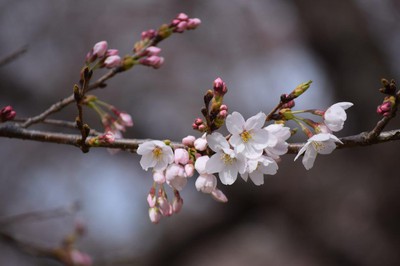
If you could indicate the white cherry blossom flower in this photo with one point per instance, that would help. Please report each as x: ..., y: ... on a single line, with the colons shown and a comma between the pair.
x: 248, y: 137
x: 277, y: 145
x: 226, y: 162
x: 155, y: 154
x: 257, y: 168
x: 335, y: 115
x: 323, y: 143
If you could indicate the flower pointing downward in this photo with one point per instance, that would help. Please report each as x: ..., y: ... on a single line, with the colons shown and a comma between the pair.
x: 323, y: 143
x: 335, y: 115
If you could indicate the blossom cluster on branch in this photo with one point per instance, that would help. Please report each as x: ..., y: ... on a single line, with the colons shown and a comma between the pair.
x: 252, y: 149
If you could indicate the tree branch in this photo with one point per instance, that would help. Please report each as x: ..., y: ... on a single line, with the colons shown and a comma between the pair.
x: 13, y: 56
x: 13, y: 131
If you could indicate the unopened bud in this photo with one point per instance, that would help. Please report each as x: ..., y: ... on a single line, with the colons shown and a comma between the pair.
x: 7, y: 113
x: 300, y: 89
x: 193, y: 23
x: 181, y: 156
x: 177, y: 203
x: 188, y: 141
x: 100, y: 48
x: 151, y: 197
x: 189, y: 170
x: 154, y: 215
x: 384, y: 109
x: 220, y: 86
x: 218, y: 195
x: 148, y: 34
x: 112, y: 61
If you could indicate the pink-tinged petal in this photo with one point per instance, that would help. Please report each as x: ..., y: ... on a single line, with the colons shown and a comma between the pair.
x: 252, y: 165
x: 206, y: 183
x: 217, y: 142
x: 309, y: 158
x: 215, y: 164
x: 235, y: 123
x: 269, y: 167
x: 218, y: 195
x: 255, y: 122
x: 178, y: 183
x: 228, y: 175
x: 147, y: 161
x: 257, y: 178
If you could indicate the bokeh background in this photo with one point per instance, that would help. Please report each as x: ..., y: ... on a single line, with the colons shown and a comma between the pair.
x: 345, y: 211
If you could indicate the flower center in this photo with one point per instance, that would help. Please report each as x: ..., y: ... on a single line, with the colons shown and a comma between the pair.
x: 227, y: 159
x: 318, y: 146
x: 157, y: 152
x: 246, y: 136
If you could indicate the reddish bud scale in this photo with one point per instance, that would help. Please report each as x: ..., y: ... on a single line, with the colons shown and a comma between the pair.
x: 7, y: 113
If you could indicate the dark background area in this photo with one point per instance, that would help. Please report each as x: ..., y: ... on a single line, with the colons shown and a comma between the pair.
x: 344, y: 211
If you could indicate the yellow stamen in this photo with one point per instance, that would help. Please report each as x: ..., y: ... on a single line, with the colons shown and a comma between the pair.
x: 157, y: 152
x: 227, y: 159
x: 246, y: 136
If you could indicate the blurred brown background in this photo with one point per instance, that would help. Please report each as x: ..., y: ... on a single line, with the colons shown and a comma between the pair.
x: 345, y: 211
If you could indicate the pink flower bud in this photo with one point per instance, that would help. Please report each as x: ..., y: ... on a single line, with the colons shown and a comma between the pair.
x: 153, y: 61
x: 182, y: 16
x: 100, y: 48
x: 154, y: 215
x: 202, y: 128
x: 181, y: 156
x: 200, y: 164
x: 151, y: 197
x: 164, y: 206
x: 189, y: 170
x: 111, y: 52
x: 220, y: 86
x: 7, y: 113
x: 149, y: 34
x: 223, y: 107
x: 173, y: 171
x: 125, y: 119
x: 177, y: 203
x: 198, y: 121
x: 384, y: 109
x: 222, y: 114
x: 193, y: 23
x: 112, y: 61
x: 200, y: 144
x: 195, y: 127
x: 80, y: 258
x: 218, y: 195
x: 181, y: 27
x: 152, y: 50
x: 159, y: 177
x: 188, y: 141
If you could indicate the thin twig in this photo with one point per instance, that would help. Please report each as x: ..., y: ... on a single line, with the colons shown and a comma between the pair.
x: 13, y: 56
x: 41, y: 215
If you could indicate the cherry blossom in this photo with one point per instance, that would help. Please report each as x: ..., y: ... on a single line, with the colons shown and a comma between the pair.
x: 277, y: 145
x: 226, y: 162
x: 257, y: 168
x: 205, y: 183
x: 248, y: 137
x: 335, y: 115
x: 155, y: 154
x: 323, y: 143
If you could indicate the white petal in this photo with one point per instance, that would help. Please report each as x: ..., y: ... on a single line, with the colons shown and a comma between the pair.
x: 235, y: 123
x: 235, y: 140
x: 147, y: 161
x: 320, y: 137
x: 255, y: 122
x: 262, y: 138
x: 309, y: 158
x: 302, y: 150
x: 200, y: 164
x: 216, y: 141
x: 257, y: 178
x: 245, y: 176
x: 215, y: 164
x: 326, y: 147
x: 252, y: 153
x: 145, y: 147
x: 228, y: 175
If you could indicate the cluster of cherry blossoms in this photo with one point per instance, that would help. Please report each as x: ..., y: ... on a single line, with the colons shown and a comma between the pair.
x: 251, y: 150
